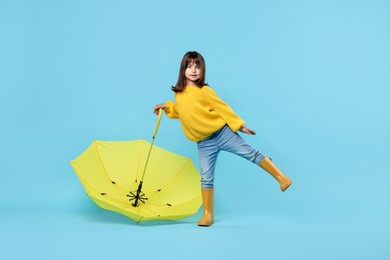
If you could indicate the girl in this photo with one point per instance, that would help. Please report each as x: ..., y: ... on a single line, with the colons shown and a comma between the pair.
x: 210, y: 122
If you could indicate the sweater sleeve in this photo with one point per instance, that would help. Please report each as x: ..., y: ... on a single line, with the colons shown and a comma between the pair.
x: 170, y: 110
x: 225, y: 111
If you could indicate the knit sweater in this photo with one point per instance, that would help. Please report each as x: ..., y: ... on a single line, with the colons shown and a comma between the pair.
x: 201, y: 112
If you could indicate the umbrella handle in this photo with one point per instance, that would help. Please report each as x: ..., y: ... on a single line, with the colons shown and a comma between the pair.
x: 158, y: 122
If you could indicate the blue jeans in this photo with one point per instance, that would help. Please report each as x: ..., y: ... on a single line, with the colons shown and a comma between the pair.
x: 222, y: 140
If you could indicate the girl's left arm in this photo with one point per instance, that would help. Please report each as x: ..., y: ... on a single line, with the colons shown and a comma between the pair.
x: 226, y: 112
x: 246, y: 130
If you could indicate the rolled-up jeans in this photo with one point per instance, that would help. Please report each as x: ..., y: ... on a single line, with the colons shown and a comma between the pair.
x: 222, y: 140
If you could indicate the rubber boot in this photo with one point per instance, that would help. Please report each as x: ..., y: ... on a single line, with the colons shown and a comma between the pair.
x: 271, y: 168
x: 208, y: 208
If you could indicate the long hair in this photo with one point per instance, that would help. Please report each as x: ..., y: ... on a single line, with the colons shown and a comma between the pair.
x: 189, y: 58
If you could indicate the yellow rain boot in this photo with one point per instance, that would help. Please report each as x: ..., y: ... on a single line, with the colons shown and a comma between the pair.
x: 208, y: 208
x: 271, y: 168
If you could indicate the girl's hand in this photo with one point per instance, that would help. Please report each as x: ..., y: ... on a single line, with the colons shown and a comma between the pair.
x: 248, y: 131
x: 157, y: 107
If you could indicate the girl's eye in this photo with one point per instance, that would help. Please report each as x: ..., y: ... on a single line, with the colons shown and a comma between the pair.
x: 196, y: 66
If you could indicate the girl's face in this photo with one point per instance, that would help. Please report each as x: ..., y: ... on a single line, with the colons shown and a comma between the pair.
x: 192, y: 73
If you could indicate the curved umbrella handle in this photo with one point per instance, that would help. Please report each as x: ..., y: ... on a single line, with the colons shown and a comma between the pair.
x: 158, y: 122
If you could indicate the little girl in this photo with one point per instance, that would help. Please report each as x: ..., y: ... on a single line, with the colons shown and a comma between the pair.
x: 210, y: 122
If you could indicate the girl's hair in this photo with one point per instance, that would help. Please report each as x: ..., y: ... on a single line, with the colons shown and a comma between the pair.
x: 189, y: 58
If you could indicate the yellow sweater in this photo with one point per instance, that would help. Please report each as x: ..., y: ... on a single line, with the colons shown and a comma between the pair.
x: 201, y: 112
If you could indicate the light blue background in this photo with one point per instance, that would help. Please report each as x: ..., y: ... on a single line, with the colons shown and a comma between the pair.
x: 311, y: 77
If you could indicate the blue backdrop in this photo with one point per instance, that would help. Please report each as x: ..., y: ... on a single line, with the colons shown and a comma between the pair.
x: 311, y: 77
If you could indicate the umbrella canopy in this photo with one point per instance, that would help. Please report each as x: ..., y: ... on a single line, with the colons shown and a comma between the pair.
x: 131, y: 178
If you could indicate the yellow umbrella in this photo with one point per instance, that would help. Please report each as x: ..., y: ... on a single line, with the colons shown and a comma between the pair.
x: 139, y: 180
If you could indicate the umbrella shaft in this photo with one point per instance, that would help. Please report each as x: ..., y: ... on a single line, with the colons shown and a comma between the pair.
x: 139, y: 193
x: 137, y: 196
x: 147, y: 159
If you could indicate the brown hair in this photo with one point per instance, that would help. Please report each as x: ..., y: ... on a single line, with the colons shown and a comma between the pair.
x: 189, y: 58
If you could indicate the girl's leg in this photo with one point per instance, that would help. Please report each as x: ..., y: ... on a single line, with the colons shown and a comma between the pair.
x: 208, y: 153
x: 233, y: 142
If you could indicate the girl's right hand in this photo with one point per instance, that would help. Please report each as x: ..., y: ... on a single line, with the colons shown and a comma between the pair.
x: 157, y: 107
